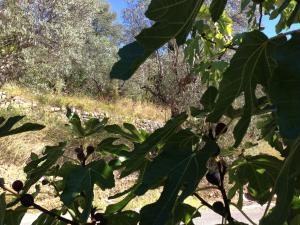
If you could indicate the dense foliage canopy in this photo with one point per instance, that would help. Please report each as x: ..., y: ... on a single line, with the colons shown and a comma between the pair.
x: 247, y: 77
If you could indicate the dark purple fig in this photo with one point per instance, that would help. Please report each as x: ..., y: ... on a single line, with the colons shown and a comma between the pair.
x: 17, y: 185
x: 213, y: 178
x: 90, y: 150
x: 99, y: 217
x: 81, y: 156
x: 79, y: 150
x: 218, y: 207
x: 221, y: 128
x: 45, y: 182
x: 27, y: 200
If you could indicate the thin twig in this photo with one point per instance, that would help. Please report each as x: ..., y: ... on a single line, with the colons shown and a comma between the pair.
x: 244, y: 214
x: 205, y: 203
x: 224, y: 195
x: 52, y: 214
x: 206, y: 188
x: 261, y: 15
x: 269, y: 204
x: 229, y: 46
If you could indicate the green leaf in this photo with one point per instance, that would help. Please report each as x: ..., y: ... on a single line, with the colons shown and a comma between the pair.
x: 180, y: 168
x: 2, y: 208
x: 6, y: 128
x: 259, y: 172
x: 153, y: 142
x: 244, y: 4
x: 294, y: 17
x: 45, y: 219
x: 111, y: 209
x: 14, y: 216
x: 285, y: 186
x: 251, y: 65
x: 168, y: 24
x: 124, y: 218
x: 133, y: 135
x: 115, y: 149
x: 94, y: 125
x: 286, y: 77
x: 82, y: 179
x: 178, y: 151
x: 37, y: 168
x: 209, y: 97
x: 75, y: 123
x: 184, y: 213
x: 279, y: 10
x: 217, y: 8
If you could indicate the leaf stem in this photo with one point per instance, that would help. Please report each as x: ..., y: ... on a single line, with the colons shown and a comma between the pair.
x: 52, y: 214
x: 224, y: 195
x: 260, y: 15
x: 285, y: 34
x: 206, y: 188
x: 244, y: 214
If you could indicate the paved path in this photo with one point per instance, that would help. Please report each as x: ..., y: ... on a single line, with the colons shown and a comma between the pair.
x: 208, y: 217
x: 255, y: 212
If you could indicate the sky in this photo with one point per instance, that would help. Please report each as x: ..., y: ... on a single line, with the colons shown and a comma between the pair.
x: 118, y: 5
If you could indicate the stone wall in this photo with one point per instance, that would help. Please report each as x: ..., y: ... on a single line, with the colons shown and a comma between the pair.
x: 19, y: 102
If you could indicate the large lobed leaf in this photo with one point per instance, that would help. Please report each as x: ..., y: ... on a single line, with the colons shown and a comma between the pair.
x: 284, y: 87
x: 258, y: 172
x: 285, y: 187
x: 82, y: 180
x: 2, y: 208
x: 7, y: 128
x: 179, y: 168
x: 157, y: 139
x: 252, y: 64
x: 217, y: 8
x: 37, y: 167
x: 168, y: 24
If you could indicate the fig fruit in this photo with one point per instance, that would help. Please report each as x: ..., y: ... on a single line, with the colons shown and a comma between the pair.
x: 218, y: 207
x: 17, y: 185
x: 81, y: 156
x: 27, y: 200
x: 213, y: 178
x: 90, y: 149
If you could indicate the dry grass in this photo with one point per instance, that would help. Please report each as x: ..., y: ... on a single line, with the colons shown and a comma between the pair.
x: 15, y: 150
x: 122, y: 107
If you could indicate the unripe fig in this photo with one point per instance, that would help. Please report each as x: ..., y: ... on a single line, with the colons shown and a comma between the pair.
x: 17, y: 185
x: 218, y: 207
x: 27, y: 200
x: 213, y: 178
x: 221, y: 128
x: 90, y: 149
